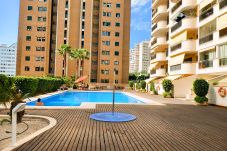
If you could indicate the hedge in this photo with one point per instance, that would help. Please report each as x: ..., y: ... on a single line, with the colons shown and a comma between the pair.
x: 143, y: 84
x: 40, y: 85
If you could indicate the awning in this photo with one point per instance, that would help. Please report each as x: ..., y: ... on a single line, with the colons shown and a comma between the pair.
x: 177, y: 59
x: 205, y: 3
x: 173, y: 77
x: 81, y: 79
x: 150, y: 79
x: 153, y: 66
x: 221, y: 23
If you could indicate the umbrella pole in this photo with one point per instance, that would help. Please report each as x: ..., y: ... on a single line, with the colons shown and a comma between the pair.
x: 113, y: 110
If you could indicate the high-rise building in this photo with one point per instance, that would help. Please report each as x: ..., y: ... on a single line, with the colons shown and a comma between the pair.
x: 100, y: 26
x: 189, y: 41
x: 140, y: 57
x: 8, y: 59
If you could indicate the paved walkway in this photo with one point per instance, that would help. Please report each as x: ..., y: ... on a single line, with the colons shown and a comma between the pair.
x: 173, y: 127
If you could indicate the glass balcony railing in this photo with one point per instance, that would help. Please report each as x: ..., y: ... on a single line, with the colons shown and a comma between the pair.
x: 153, y: 72
x: 222, y: 4
x: 176, y: 47
x: 205, y: 64
x: 176, y: 26
x: 223, y: 61
x: 175, y: 67
x: 206, y: 14
x: 206, y: 39
x: 176, y: 6
x: 153, y: 42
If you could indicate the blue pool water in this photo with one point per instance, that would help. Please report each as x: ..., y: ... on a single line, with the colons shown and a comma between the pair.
x: 76, y: 98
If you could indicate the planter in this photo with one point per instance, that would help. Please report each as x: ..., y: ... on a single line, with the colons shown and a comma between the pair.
x: 202, y: 104
x: 152, y: 92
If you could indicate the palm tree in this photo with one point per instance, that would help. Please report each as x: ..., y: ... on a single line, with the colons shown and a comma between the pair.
x: 63, y: 51
x: 79, y: 55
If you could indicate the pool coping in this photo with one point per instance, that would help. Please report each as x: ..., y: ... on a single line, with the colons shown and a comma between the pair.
x: 52, y: 123
x: 89, y: 105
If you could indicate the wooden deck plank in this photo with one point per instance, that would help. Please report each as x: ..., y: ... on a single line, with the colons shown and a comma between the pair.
x: 170, y: 127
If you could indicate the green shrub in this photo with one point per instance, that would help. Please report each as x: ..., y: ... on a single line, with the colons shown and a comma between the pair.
x: 6, y: 85
x: 167, y: 85
x: 201, y: 88
x: 48, y: 84
x: 143, y: 84
x: 27, y: 84
x: 200, y: 99
x: 167, y: 94
x: 131, y: 83
x: 152, y: 88
x: 138, y: 86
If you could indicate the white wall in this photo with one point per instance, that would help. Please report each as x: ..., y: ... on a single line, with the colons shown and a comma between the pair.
x: 215, y: 98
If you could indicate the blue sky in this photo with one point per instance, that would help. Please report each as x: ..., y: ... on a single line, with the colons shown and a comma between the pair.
x: 140, y: 21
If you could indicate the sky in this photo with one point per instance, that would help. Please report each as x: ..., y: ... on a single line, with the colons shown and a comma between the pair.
x: 140, y: 21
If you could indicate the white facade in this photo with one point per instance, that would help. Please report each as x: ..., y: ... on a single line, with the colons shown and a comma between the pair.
x: 140, y: 58
x: 8, y: 59
x: 144, y: 56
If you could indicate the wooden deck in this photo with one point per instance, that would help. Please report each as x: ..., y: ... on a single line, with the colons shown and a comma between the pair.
x: 170, y: 127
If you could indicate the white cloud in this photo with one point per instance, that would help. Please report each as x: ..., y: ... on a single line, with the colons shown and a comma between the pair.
x: 139, y: 3
x: 140, y: 25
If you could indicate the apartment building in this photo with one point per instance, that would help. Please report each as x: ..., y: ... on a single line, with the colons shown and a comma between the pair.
x: 196, y: 43
x: 8, y: 59
x: 140, y: 57
x: 100, y: 26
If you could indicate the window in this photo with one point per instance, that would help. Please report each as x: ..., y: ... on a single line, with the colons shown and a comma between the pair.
x: 29, y: 18
x: 27, y: 58
x: 39, y: 68
x: 106, y: 72
x: 116, y: 53
x: 41, y: 28
x: 117, y: 24
x: 28, y: 48
x: 118, y: 5
x: 65, y: 33
x: 42, y: 0
x: 66, y: 14
x: 116, y: 62
x: 40, y: 48
x: 117, y: 43
x: 94, y: 53
x: 42, y: 19
x: 118, y: 15
x: 41, y: 39
x: 116, y: 72
x: 107, y: 5
x: 93, y: 71
x: 26, y: 68
x: 29, y: 28
x: 106, y: 23
x: 104, y: 80
x: 39, y: 58
x: 108, y: 14
x: 116, y: 81
x: 29, y: 7
x: 66, y: 23
x: 84, y: 4
x: 82, y: 44
x: 94, y: 62
x: 42, y: 9
x: 67, y: 4
x: 106, y: 33
x: 104, y: 52
x: 105, y: 62
x: 28, y: 38
x: 117, y: 34
x: 106, y: 43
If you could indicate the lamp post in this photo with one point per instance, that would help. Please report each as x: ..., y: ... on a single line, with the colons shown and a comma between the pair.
x: 114, y: 91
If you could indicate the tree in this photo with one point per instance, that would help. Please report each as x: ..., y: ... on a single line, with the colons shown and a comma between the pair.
x: 63, y: 51
x: 6, y: 85
x: 79, y: 55
x: 201, y: 88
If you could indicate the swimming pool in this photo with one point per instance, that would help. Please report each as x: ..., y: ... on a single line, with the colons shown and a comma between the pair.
x: 76, y: 98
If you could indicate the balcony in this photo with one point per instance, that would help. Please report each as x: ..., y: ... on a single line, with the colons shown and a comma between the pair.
x: 183, y: 47
x: 205, y: 64
x: 206, y: 13
x: 159, y: 43
x: 158, y: 57
x: 223, y: 62
x: 206, y: 38
x: 161, y: 72
x: 186, y: 23
x: 222, y: 4
x: 184, y: 68
x: 182, y: 5
x: 161, y: 28
x: 159, y: 13
x: 156, y: 3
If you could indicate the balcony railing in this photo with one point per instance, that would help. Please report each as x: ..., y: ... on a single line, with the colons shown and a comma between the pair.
x: 174, y: 48
x: 176, y: 6
x: 154, y: 12
x: 176, y: 26
x: 206, y: 14
x: 175, y: 67
x: 223, y: 61
x: 222, y: 4
x: 205, y: 64
x: 154, y: 27
x: 153, y: 42
x: 153, y: 57
x: 206, y: 39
